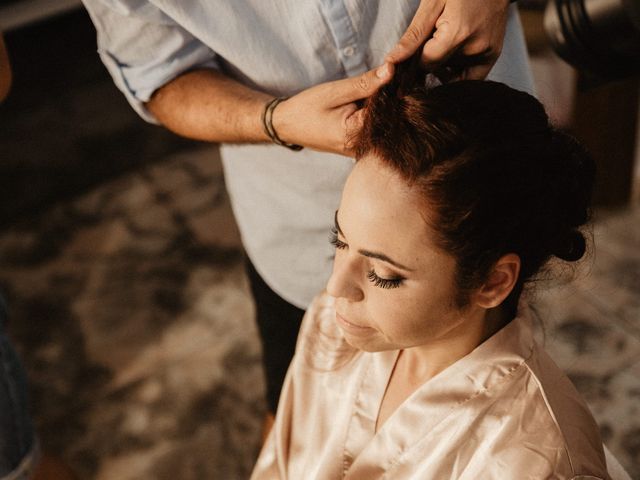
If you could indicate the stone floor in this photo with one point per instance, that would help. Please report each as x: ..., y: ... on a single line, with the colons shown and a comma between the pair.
x: 129, y: 305
x: 130, y: 308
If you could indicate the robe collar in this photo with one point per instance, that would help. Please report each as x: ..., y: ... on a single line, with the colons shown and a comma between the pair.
x: 484, y: 368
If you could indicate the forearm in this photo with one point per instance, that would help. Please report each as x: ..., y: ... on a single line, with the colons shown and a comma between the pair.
x: 207, y: 105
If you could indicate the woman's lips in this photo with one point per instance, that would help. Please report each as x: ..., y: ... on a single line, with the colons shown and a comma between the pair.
x: 352, y: 327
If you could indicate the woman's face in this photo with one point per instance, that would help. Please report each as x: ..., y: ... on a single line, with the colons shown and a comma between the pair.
x: 394, y: 288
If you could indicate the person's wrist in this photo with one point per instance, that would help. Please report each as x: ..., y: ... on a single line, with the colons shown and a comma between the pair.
x: 275, y: 129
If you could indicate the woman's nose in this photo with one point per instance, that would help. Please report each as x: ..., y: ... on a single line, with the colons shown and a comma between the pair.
x: 344, y: 281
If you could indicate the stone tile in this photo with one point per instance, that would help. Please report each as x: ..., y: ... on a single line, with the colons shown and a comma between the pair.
x: 217, y: 318
x: 204, y: 162
x: 616, y: 295
x: 198, y: 201
x: 101, y: 240
x: 617, y: 238
x: 615, y: 403
x: 199, y: 388
x: 15, y: 241
x: 170, y: 179
x: 93, y: 204
x: 153, y: 220
x: 215, y: 227
x: 580, y: 337
x: 185, y: 170
x: 130, y: 195
x: 198, y: 407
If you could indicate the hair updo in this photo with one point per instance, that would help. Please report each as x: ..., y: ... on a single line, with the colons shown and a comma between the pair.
x: 496, y: 176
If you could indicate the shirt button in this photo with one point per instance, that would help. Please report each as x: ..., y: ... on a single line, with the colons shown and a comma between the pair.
x: 348, y: 51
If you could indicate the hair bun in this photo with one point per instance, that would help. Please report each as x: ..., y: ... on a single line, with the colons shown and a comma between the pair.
x: 575, y: 179
x: 570, y: 247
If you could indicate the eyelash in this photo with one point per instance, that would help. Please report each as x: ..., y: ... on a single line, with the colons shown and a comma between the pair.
x: 335, y: 241
x: 371, y: 275
x: 383, y: 282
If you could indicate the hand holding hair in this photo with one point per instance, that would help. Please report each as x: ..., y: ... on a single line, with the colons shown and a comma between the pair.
x: 467, y: 35
x: 323, y: 117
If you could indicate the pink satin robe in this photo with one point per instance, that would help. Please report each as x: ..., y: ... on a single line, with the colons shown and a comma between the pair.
x: 504, y: 411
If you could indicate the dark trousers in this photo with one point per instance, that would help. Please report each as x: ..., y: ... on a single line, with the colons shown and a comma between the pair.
x: 278, y: 323
x: 17, y: 437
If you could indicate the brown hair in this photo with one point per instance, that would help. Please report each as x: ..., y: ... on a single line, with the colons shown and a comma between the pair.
x: 496, y: 176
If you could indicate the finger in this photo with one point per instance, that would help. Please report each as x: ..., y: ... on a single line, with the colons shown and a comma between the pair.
x: 440, y: 46
x: 348, y: 110
x: 473, y: 66
x: 479, y: 72
x: 356, y: 88
x: 481, y: 55
x: 418, y: 30
x: 353, y: 125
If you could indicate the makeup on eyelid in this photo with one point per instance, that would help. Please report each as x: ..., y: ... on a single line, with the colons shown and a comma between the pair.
x: 372, y: 276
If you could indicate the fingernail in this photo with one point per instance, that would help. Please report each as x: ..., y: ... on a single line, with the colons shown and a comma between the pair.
x: 382, y: 71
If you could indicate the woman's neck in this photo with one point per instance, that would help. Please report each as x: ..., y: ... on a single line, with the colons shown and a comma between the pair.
x: 417, y: 365
x: 421, y: 363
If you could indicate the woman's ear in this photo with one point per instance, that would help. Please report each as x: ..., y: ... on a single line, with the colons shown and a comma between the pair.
x: 500, y: 282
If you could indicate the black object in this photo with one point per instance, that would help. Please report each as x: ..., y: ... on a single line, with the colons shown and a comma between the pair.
x: 267, y: 124
x: 278, y: 323
x: 599, y: 36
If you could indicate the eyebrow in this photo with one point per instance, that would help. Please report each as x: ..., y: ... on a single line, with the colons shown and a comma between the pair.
x: 367, y: 253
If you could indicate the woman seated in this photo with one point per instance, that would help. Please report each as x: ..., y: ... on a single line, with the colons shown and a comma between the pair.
x: 419, y: 359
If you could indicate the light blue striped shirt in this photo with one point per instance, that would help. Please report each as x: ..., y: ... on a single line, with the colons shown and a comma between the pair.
x: 283, y: 201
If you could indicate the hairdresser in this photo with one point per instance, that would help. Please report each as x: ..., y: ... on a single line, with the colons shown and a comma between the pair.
x: 237, y: 73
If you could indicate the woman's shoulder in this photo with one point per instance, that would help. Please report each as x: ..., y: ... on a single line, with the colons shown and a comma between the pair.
x: 538, y: 407
x: 534, y: 420
x: 566, y: 413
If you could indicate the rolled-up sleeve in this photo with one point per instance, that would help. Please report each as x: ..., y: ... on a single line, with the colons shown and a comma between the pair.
x: 143, y: 48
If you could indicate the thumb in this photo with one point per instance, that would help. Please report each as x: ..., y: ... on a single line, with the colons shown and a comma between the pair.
x: 356, y: 88
x: 419, y: 30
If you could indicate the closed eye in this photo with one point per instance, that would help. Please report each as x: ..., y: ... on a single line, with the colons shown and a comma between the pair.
x: 383, y: 282
x: 335, y: 241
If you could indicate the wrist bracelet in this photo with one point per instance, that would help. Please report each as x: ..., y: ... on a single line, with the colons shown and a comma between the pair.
x: 267, y: 124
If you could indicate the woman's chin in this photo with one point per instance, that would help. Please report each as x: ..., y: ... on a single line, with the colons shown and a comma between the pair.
x: 366, y: 345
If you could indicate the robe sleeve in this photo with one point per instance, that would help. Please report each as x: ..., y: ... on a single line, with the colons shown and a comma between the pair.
x: 316, y: 339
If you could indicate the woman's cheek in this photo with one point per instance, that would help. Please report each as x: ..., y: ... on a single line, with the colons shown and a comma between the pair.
x: 378, y: 310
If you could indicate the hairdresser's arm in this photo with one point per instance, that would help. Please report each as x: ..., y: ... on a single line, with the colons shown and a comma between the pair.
x: 467, y: 32
x: 207, y: 105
